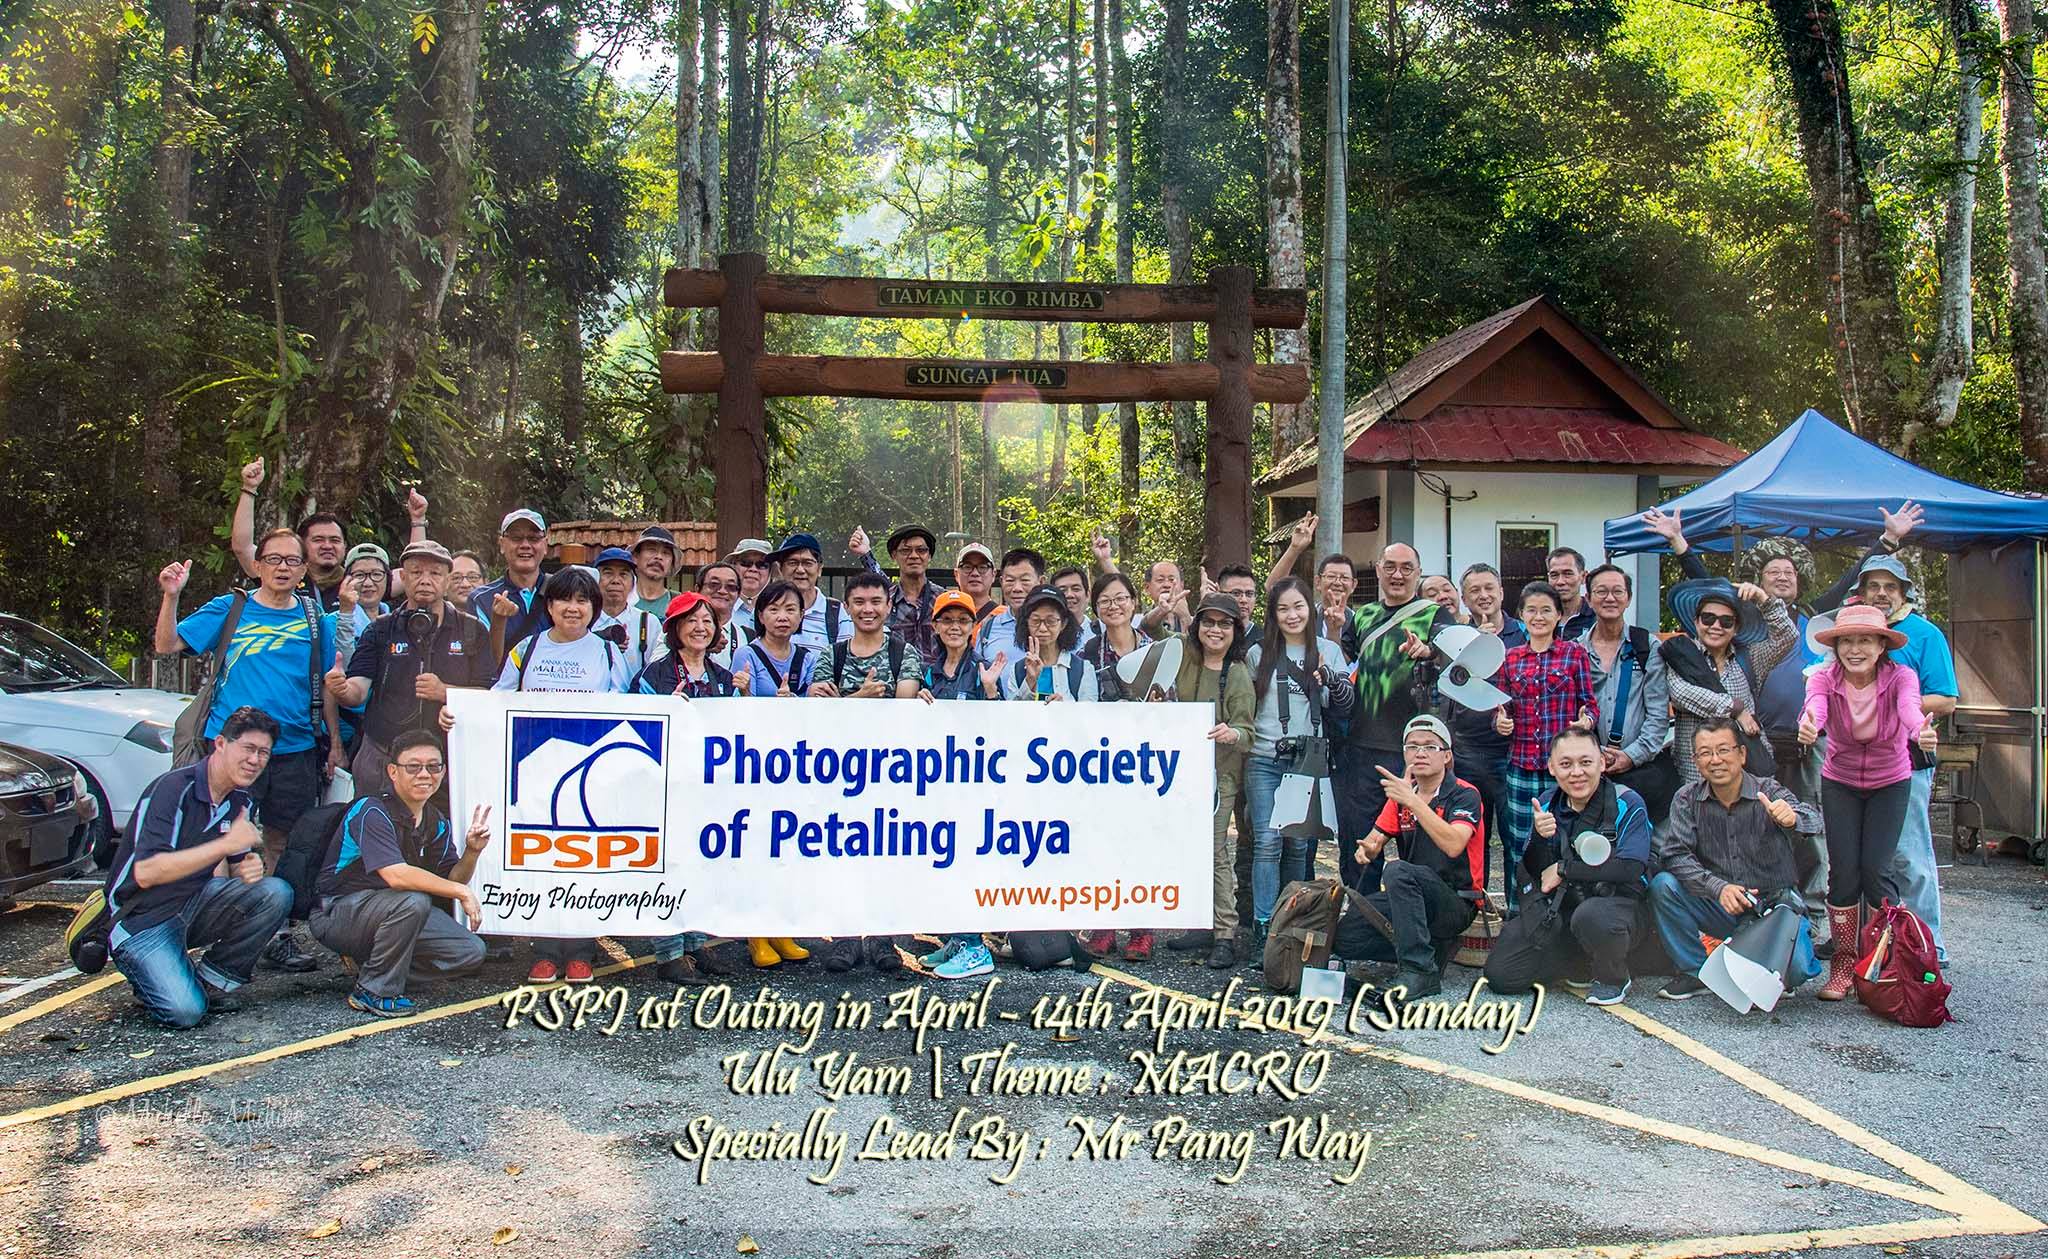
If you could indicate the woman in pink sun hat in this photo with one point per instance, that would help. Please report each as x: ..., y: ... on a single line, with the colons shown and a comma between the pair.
x: 1868, y: 706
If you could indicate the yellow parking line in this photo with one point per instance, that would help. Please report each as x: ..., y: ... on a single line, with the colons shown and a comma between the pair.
x: 1972, y: 1206
x: 49, y: 1005
x: 1746, y: 1243
x: 154, y: 1083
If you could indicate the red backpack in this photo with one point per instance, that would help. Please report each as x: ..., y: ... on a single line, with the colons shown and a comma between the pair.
x: 1897, y: 975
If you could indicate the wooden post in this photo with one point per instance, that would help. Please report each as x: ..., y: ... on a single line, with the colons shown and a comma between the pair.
x: 1226, y: 533
x: 739, y: 448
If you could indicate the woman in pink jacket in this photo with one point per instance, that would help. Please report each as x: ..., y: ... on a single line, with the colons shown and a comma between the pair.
x: 1868, y: 706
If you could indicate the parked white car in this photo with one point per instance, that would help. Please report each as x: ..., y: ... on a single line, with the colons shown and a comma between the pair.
x: 57, y: 698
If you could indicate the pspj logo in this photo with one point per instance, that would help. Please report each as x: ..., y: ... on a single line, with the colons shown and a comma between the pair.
x: 587, y: 794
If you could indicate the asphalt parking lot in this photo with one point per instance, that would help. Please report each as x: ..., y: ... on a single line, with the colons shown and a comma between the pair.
x: 1661, y: 1129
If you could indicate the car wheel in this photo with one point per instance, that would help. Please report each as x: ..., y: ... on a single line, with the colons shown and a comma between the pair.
x: 100, y: 839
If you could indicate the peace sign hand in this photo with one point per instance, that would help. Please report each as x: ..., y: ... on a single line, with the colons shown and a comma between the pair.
x: 479, y: 836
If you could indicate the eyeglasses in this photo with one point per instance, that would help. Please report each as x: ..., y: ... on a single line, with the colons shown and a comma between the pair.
x: 282, y: 561
x: 914, y: 552
x: 372, y: 575
x: 1726, y: 620
x: 720, y: 588
x: 1715, y: 754
x: 1430, y: 748
x: 1114, y: 601
x: 419, y: 769
x: 1045, y: 622
x: 251, y: 751
x: 799, y: 561
x: 750, y: 563
x: 1387, y: 567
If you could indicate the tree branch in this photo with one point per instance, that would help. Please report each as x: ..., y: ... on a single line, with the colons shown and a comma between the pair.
x: 325, y: 112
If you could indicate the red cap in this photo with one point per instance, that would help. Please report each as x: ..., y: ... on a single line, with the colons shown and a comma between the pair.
x: 683, y: 603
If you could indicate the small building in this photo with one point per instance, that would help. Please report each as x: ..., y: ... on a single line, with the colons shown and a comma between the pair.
x: 1499, y: 442
x: 579, y: 541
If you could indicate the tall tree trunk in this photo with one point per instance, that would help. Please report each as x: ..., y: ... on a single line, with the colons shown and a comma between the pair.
x: 2026, y: 275
x: 406, y: 269
x: 1126, y: 255
x: 1173, y: 213
x: 709, y: 163
x: 573, y: 407
x: 689, y: 177
x: 993, y: 158
x: 174, y: 194
x: 1860, y: 283
x: 742, y: 154
x: 1063, y: 332
x: 1286, y: 258
x: 1952, y: 352
x: 1098, y: 144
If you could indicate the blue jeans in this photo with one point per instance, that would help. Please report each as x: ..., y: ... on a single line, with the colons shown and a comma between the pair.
x: 235, y: 918
x: 1912, y: 870
x: 1682, y: 917
x: 669, y: 948
x: 1276, y: 860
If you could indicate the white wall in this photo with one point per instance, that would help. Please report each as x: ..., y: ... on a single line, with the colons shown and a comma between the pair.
x: 1578, y: 504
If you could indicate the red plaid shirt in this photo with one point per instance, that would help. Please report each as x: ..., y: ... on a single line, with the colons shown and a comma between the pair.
x: 1547, y: 690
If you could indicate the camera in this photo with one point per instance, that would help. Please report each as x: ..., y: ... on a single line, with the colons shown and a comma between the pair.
x: 418, y: 624
x: 1289, y: 746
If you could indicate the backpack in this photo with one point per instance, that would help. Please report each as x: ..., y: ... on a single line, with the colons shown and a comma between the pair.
x: 1043, y: 950
x: 1897, y: 975
x: 305, y: 851
x: 1303, y: 926
x: 831, y: 620
x: 842, y: 649
x: 86, y: 938
x: 188, y: 734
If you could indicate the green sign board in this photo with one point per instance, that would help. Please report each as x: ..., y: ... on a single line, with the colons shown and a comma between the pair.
x: 969, y: 298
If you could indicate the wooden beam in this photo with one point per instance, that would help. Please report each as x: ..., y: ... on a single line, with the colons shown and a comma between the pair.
x: 971, y: 380
x: 739, y: 443
x: 1227, y: 456
x: 947, y: 299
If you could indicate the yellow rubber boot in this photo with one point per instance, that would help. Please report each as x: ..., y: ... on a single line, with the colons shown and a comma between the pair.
x: 788, y: 949
x: 763, y: 953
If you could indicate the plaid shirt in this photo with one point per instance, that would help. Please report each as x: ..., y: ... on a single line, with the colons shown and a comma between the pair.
x: 911, y: 619
x: 1546, y: 692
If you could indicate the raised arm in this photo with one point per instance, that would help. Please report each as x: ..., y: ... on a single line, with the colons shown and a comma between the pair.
x: 242, y: 535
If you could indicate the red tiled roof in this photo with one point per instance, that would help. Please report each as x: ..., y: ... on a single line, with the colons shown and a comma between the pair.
x: 696, y: 539
x: 1529, y: 435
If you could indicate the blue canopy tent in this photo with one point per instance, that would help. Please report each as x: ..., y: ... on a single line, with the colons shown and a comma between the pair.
x: 1822, y: 484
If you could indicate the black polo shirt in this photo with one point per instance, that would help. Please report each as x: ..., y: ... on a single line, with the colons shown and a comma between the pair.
x: 1455, y: 801
x: 531, y: 618
x: 458, y: 651
x: 378, y: 831
x: 176, y: 811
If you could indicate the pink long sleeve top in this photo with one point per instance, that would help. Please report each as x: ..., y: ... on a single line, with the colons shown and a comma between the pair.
x: 1881, y: 758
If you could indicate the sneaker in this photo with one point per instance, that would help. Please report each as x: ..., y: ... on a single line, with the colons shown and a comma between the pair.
x: 283, y: 953
x: 941, y: 955
x: 1578, y: 983
x: 1098, y: 943
x: 578, y: 972
x: 680, y: 970
x: 1191, y: 941
x: 723, y: 959
x: 1138, y: 947
x: 220, y: 1000
x: 1223, y: 956
x: 1683, y: 988
x: 970, y: 961
x: 1418, y: 983
x: 543, y: 972
x: 1604, y: 993
x: 881, y: 953
x: 383, y: 1007
x: 841, y: 955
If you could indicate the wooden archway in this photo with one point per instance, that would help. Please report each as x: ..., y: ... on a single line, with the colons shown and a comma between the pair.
x: 743, y: 375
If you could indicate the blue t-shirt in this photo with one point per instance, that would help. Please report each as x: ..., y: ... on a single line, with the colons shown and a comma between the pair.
x: 1784, y: 691
x: 1926, y: 653
x: 267, y: 665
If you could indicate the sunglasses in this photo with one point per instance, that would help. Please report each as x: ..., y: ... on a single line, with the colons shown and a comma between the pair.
x: 1725, y: 620
x: 422, y: 769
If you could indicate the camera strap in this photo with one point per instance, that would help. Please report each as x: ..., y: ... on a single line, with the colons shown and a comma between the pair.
x: 1306, y: 680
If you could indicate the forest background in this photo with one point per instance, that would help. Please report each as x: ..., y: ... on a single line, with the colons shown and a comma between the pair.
x: 393, y: 243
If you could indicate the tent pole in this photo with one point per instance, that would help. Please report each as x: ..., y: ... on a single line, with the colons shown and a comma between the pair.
x: 2040, y: 763
x: 1735, y: 553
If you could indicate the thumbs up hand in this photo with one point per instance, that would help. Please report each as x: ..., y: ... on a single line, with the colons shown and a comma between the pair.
x: 871, y: 688
x: 1503, y: 724
x: 1809, y: 733
x: 1543, y: 822
x: 337, y: 679
x: 1928, y: 736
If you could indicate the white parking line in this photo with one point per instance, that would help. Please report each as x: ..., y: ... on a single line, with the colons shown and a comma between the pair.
x: 37, y: 985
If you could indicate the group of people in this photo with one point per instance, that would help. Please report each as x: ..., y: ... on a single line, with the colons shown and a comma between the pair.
x: 1330, y: 723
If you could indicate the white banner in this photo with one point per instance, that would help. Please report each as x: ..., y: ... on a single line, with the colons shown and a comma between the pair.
x: 644, y: 815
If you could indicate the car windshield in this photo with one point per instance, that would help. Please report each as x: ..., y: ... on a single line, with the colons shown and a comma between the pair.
x: 34, y: 659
